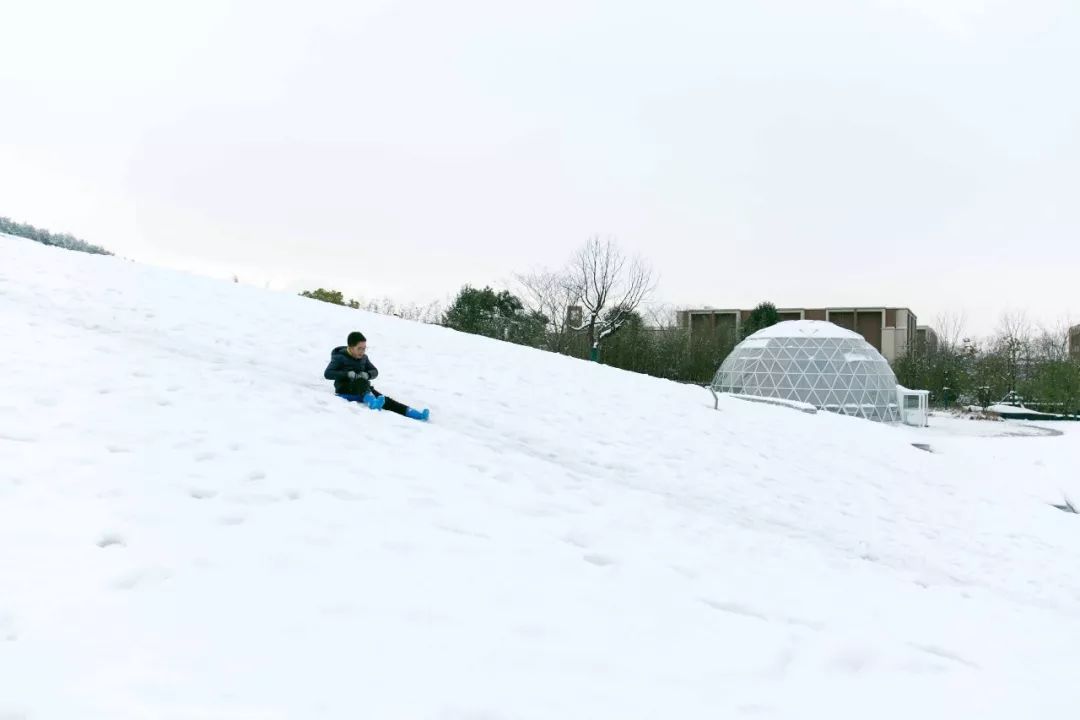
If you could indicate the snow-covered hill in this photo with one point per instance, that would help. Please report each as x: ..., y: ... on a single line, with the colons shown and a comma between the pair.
x: 192, y: 526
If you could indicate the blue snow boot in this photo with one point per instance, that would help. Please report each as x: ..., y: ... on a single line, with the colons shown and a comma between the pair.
x: 421, y: 415
x: 373, y: 402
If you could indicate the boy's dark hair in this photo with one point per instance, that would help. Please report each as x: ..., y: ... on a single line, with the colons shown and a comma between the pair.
x: 356, y: 337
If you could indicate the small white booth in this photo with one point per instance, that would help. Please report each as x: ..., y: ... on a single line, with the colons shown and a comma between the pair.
x: 914, y: 406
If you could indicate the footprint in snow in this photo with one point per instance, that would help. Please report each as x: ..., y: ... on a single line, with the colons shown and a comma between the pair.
x: 18, y: 437
x: 253, y: 499
x: 455, y: 530
x: 854, y: 659
x: 576, y: 540
x: 455, y: 714
x: 231, y: 520
x: 111, y: 540
x: 141, y: 577
x: 808, y: 624
x: 402, y: 547
x: 202, y: 493
x: 7, y: 630
x: 598, y: 560
x: 734, y: 608
x: 685, y: 572
x: 338, y: 610
x: 346, y: 495
x: 945, y: 654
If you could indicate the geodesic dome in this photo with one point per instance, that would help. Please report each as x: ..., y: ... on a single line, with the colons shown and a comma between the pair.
x: 814, y: 362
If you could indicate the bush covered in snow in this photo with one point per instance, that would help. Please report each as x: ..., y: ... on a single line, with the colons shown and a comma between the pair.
x: 64, y: 240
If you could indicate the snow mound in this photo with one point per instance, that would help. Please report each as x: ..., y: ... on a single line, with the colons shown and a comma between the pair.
x: 1006, y: 409
x: 192, y: 526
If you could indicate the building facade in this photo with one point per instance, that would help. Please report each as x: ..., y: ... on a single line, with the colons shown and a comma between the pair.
x: 1074, y: 342
x: 928, y: 339
x: 891, y: 331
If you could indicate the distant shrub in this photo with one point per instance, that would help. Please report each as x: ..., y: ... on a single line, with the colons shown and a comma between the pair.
x: 62, y: 240
x: 334, y: 297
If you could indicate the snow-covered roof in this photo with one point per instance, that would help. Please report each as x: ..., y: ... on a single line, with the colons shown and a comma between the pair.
x: 806, y: 329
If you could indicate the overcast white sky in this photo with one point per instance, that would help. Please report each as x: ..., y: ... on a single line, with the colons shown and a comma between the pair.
x: 923, y: 153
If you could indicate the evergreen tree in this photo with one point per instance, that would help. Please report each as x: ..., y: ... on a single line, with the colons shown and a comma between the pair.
x: 1055, y: 385
x: 761, y: 317
x: 499, y: 315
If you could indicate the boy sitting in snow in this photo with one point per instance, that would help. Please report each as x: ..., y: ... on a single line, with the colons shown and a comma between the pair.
x: 352, y: 373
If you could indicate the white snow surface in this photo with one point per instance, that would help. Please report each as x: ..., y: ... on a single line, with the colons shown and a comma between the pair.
x: 192, y: 526
x: 950, y: 426
x: 806, y: 328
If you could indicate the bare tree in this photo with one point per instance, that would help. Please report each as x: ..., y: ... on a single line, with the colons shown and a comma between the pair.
x: 610, y: 287
x: 1052, y: 342
x: 663, y: 316
x: 951, y: 329
x: 552, y: 295
x: 1013, y: 343
x: 429, y: 313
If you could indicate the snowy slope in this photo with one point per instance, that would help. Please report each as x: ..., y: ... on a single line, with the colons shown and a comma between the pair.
x: 192, y: 526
